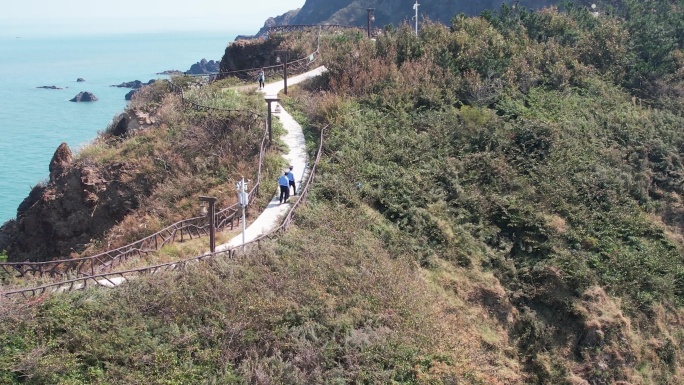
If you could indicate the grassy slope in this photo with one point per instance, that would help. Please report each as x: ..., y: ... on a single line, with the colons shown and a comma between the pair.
x: 489, y: 210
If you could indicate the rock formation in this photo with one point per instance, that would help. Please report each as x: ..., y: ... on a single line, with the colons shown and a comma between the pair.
x: 61, y: 160
x: 129, y: 121
x: 133, y: 84
x: 283, y: 19
x: 50, y: 87
x: 129, y: 94
x: 204, y: 67
x: 84, y: 97
x: 79, y: 204
x: 170, y: 72
x: 80, y: 80
x: 244, y: 53
x: 354, y: 12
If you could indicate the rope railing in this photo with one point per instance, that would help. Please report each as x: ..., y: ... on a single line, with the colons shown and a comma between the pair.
x: 200, y: 107
x: 186, y: 229
x: 113, y: 279
x: 303, y: 193
x: 269, y: 71
x: 251, y: 73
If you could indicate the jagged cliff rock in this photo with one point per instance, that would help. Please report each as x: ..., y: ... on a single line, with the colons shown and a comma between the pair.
x: 60, y: 161
x: 283, y: 19
x: 204, y: 67
x: 129, y: 95
x: 135, y: 84
x: 79, y: 203
x: 354, y: 12
x: 244, y: 54
x: 84, y: 97
x: 130, y: 121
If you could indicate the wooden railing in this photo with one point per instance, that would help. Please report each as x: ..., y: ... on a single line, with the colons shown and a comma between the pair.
x: 112, y: 279
x: 101, y: 264
x: 178, y: 232
x: 294, y: 67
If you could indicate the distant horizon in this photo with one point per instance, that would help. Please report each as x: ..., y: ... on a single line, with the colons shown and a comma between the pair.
x: 28, y: 32
x: 34, y: 18
x: 40, y: 30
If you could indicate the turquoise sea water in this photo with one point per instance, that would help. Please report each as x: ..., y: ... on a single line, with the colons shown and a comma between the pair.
x: 34, y: 121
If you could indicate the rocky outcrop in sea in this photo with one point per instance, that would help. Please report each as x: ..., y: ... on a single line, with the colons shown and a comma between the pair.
x: 134, y: 84
x: 84, y: 96
x: 204, y: 67
x: 129, y: 94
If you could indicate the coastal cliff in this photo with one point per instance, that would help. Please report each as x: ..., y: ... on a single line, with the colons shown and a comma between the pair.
x: 79, y: 203
x: 355, y: 12
x: 137, y: 176
x: 495, y: 201
x: 284, y: 19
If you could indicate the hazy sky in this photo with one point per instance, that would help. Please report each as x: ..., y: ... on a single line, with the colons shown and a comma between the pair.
x: 41, y: 17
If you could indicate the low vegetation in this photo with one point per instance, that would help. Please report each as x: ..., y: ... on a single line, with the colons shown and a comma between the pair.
x: 499, y: 201
x: 189, y: 152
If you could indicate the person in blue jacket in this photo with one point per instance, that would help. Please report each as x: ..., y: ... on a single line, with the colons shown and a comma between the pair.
x: 290, y: 177
x: 284, y: 184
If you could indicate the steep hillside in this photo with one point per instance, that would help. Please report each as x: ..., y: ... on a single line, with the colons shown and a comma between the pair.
x: 354, y: 12
x: 509, y: 144
x: 135, y: 179
x: 499, y: 202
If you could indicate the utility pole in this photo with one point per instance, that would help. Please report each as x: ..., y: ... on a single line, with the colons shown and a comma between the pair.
x: 243, y: 201
x: 286, y: 56
x: 212, y: 221
x: 415, y: 6
x: 371, y: 18
x: 269, y: 120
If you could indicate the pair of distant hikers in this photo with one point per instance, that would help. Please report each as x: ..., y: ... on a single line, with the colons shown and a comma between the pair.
x: 285, y: 181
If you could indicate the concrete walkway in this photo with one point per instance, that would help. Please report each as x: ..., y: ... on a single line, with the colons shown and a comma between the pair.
x: 294, y: 139
x: 270, y: 218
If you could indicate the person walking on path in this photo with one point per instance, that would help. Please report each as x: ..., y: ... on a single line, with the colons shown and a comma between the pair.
x: 284, y: 184
x: 290, y: 177
x: 261, y: 78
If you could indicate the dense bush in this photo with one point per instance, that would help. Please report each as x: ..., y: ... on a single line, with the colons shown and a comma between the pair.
x: 526, y: 146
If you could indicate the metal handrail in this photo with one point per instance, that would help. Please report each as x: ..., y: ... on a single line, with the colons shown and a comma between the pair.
x: 108, y: 279
x: 191, y: 228
x: 252, y: 72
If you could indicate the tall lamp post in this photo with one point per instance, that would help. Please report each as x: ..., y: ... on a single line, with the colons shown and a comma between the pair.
x: 415, y: 6
x: 286, y: 55
x: 270, y: 126
x: 212, y: 221
x: 371, y: 18
x: 243, y: 201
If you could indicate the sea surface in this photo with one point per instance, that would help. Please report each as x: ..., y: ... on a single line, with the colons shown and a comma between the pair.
x: 35, y: 121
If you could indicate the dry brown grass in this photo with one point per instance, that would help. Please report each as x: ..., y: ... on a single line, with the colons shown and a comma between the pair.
x: 474, y: 317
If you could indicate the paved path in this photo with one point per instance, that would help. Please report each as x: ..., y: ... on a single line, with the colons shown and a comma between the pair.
x: 294, y: 139
x: 271, y: 216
